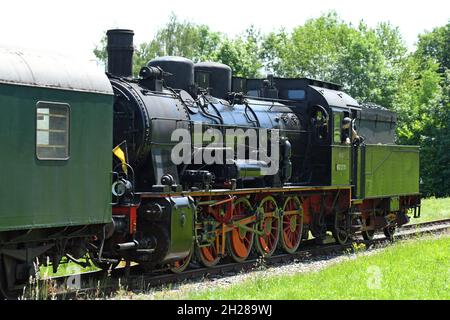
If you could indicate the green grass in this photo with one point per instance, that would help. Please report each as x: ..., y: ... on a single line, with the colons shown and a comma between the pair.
x: 408, y: 270
x: 434, y: 209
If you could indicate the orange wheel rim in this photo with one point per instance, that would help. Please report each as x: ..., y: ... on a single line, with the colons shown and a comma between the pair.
x: 292, y: 226
x: 269, y: 226
x: 209, y: 253
x: 241, y: 245
x: 181, y: 262
x: 241, y: 240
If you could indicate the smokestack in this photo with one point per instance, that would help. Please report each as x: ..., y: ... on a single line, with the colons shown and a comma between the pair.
x: 120, y: 52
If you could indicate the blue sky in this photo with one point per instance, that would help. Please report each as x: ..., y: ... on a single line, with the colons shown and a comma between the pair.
x: 75, y: 27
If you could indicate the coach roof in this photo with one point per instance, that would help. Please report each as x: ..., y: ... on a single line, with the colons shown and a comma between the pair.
x: 38, y: 69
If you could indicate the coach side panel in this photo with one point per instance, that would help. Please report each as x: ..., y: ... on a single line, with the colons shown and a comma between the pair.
x: 55, y: 157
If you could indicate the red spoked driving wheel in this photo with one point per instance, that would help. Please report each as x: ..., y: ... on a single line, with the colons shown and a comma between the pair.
x: 209, y: 256
x: 240, y: 239
x: 268, y: 228
x: 292, y: 225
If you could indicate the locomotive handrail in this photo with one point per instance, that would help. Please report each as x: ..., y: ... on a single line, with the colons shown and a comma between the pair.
x: 206, y: 113
x: 225, y: 125
x: 122, y: 93
x: 256, y: 121
x: 269, y: 99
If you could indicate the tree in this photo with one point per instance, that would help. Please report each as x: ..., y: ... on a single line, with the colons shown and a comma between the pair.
x: 422, y: 103
x: 198, y: 43
x: 418, y: 105
x: 442, y: 182
x: 242, y: 54
x: 100, y: 50
x: 365, y: 61
x: 436, y: 45
x: 186, y: 39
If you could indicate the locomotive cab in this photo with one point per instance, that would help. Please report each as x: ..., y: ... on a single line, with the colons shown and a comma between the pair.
x: 321, y: 158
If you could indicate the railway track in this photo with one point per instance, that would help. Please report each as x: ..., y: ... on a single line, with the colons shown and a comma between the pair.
x: 100, y: 284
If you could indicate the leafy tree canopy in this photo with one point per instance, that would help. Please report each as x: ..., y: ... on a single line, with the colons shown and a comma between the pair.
x: 365, y: 61
x: 198, y: 43
x: 422, y: 102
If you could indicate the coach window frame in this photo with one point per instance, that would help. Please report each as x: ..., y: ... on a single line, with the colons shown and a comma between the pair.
x: 49, y: 104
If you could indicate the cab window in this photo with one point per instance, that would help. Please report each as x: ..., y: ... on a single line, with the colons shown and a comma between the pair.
x: 337, y: 128
x: 296, y: 94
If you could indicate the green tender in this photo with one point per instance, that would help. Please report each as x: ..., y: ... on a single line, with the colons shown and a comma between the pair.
x: 44, y: 193
x: 388, y: 170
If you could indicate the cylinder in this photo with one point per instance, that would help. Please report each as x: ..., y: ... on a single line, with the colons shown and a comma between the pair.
x: 248, y: 169
x: 181, y: 71
x: 120, y: 52
x: 214, y: 77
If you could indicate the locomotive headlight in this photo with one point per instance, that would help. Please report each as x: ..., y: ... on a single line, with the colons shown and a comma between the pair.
x: 121, y: 187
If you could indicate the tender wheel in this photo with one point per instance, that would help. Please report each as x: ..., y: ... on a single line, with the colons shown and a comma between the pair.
x: 266, y: 243
x: 389, y: 232
x: 10, y: 286
x: 368, y: 235
x: 341, y: 236
x: 292, y: 225
x: 4, y: 292
x: 208, y: 256
x: 183, y: 264
x: 240, y: 240
x: 340, y: 233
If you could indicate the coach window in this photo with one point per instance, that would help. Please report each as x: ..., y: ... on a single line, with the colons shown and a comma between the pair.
x: 52, y: 131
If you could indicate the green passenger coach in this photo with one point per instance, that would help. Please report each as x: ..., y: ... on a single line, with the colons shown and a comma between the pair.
x: 55, y: 156
x: 55, y: 153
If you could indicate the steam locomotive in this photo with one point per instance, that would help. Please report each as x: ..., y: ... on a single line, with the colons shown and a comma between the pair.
x: 205, y: 166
